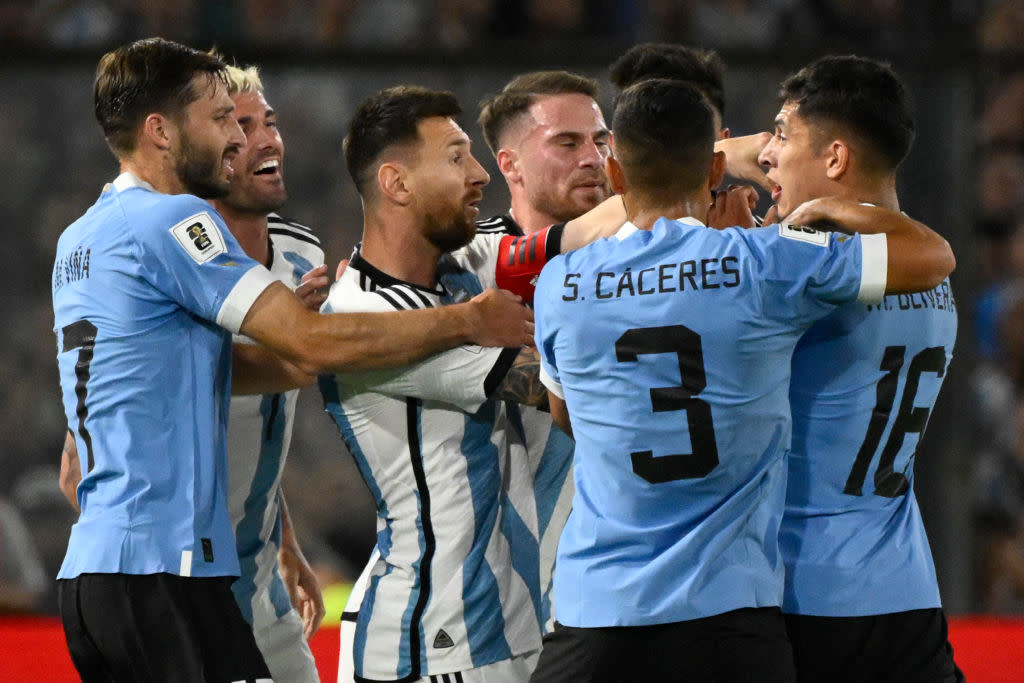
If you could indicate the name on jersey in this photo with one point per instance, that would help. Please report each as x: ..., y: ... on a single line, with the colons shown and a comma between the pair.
x: 71, y: 268
x: 939, y: 299
x: 693, y: 275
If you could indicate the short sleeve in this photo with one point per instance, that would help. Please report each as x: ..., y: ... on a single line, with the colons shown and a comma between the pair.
x: 188, y: 253
x: 546, y: 296
x: 805, y: 273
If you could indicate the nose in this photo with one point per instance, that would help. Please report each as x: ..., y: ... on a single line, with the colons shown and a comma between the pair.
x: 236, y: 136
x: 478, y: 174
x: 766, y: 157
x: 590, y: 155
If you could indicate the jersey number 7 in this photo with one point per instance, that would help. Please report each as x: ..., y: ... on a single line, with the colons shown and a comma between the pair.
x: 686, y: 344
x: 910, y: 419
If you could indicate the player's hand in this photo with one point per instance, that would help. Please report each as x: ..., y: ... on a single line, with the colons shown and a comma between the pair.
x: 816, y: 213
x: 313, y: 290
x: 499, y: 318
x: 771, y: 215
x: 741, y: 158
x: 303, y: 589
x: 733, y: 207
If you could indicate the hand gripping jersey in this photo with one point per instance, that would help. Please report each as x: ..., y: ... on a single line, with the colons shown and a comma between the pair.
x: 456, y: 583
x: 259, y: 433
x: 550, y: 452
x: 146, y: 288
x: 672, y: 349
x: 864, y: 383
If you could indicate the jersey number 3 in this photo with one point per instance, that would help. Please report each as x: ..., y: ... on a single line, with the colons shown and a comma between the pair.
x: 686, y: 344
x: 909, y: 419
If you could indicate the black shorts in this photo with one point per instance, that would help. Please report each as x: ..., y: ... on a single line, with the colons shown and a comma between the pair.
x: 742, y: 646
x: 157, y: 627
x: 902, y: 646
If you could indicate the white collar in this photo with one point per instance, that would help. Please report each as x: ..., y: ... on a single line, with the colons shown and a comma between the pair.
x: 128, y: 180
x: 628, y: 228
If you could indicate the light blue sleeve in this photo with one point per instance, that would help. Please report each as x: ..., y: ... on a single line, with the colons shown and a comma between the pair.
x: 187, y: 253
x: 545, y: 311
x: 804, y: 273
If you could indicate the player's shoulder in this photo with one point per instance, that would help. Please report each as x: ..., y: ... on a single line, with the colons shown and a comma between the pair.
x: 502, y: 224
x: 280, y: 227
x: 362, y: 288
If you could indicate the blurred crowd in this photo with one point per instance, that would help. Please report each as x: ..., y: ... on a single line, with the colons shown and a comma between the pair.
x: 55, y: 161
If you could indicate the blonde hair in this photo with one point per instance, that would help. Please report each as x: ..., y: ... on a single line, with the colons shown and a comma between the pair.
x: 240, y: 79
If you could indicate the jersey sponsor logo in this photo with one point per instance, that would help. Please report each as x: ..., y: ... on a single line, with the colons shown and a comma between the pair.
x: 200, y: 237
x: 442, y: 640
x: 802, y: 233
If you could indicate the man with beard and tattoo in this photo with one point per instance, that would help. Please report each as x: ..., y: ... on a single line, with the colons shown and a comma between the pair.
x: 454, y: 590
x: 147, y: 286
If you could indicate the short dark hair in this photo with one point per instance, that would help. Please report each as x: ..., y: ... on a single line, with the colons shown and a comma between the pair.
x: 150, y: 75
x: 664, y: 136
x: 701, y: 68
x: 863, y: 96
x: 391, y: 117
x: 519, y: 94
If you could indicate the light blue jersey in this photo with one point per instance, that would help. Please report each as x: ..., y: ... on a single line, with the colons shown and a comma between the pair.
x: 864, y: 383
x: 146, y: 288
x: 672, y: 350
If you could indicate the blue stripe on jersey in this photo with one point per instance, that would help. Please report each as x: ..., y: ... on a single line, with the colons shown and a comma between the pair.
x: 332, y: 404
x: 480, y: 588
x: 551, y: 474
x: 525, y: 551
x: 248, y: 529
x: 410, y: 650
x: 300, y: 264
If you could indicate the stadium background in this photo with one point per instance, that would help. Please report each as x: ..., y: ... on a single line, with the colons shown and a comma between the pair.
x: 963, y: 62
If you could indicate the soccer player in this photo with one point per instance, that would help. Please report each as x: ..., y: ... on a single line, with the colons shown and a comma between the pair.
x: 550, y: 140
x: 147, y: 286
x: 276, y: 580
x: 861, y: 602
x: 669, y: 347
x: 454, y: 591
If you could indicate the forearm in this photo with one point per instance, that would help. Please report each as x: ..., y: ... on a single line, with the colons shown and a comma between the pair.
x: 289, y: 541
x: 70, y: 471
x: 256, y: 369
x: 603, y: 220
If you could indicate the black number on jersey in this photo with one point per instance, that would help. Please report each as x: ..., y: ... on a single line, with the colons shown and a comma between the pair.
x: 686, y: 344
x: 81, y: 335
x: 909, y: 419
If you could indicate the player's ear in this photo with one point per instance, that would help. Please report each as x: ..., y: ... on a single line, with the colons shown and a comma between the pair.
x: 616, y: 176
x: 392, y: 180
x: 837, y: 159
x: 717, y: 169
x: 159, y: 131
x: 508, y: 164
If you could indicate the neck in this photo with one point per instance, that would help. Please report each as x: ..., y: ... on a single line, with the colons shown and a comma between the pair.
x: 643, y: 212
x: 394, y: 243
x: 880, y: 191
x: 157, y: 172
x: 250, y: 229
x: 531, y: 220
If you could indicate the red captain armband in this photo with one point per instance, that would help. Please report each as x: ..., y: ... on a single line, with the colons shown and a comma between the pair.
x: 520, y: 259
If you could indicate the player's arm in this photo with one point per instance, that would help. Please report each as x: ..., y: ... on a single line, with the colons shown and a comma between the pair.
x: 741, y: 158
x: 559, y: 412
x: 299, y: 579
x: 70, y: 470
x: 255, y: 369
x: 603, y: 220
x: 342, y: 342
x: 522, y: 381
x: 918, y: 257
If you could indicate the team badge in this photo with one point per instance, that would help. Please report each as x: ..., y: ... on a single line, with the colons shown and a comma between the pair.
x: 200, y: 237
x: 802, y: 233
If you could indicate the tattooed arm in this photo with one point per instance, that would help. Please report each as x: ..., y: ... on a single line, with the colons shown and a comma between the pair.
x: 522, y: 383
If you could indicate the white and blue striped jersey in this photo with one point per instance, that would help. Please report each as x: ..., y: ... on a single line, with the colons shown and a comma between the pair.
x: 456, y: 583
x: 864, y: 382
x: 146, y: 290
x: 550, y: 452
x: 672, y: 350
x: 259, y: 433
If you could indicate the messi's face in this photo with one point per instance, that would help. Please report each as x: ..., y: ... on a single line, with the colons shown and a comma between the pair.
x: 447, y: 183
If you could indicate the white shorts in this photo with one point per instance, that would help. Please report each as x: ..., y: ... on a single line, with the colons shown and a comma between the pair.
x: 286, y: 651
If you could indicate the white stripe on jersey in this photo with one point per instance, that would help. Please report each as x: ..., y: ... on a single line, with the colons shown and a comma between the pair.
x: 456, y: 585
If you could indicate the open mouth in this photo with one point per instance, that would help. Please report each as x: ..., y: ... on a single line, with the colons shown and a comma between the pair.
x: 268, y: 167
